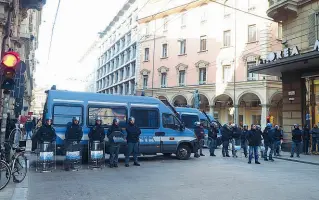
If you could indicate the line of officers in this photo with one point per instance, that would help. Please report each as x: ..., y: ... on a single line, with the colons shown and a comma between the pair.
x: 248, y: 139
x: 74, y: 134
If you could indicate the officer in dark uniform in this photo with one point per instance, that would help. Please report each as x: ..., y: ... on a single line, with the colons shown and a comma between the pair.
x: 97, y: 132
x: 114, y: 131
x: 200, y: 134
x: 46, y: 132
x: 133, y: 137
x: 243, y: 138
x: 296, y: 140
x: 74, y: 131
x: 268, y: 135
x: 212, y: 135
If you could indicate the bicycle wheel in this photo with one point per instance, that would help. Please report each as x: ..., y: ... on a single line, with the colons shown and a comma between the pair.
x: 19, y: 169
x: 5, y: 174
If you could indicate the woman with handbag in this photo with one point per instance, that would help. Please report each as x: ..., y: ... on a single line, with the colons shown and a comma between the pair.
x: 116, y: 138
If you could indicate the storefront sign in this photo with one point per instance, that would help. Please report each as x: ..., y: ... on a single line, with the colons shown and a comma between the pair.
x: 291, y: 93
x: 287, y: 52
x: 291, y: 99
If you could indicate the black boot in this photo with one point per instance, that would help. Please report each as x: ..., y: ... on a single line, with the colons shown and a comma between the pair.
x: 111, y: 165
x: 266, y: 159
x: 115, y: 165
x: 137, y: 164
x: 202, y: 154
x: 256, y: 162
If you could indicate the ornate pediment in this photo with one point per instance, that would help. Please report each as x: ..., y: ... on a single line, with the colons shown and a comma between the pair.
x: 202, y: 64
x: 181, y: 66
x: 163, y: 69
x: 250, y: 57
x: 145, y: 72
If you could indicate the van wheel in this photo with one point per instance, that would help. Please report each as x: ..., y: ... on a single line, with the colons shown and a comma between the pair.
x: 183, y: 152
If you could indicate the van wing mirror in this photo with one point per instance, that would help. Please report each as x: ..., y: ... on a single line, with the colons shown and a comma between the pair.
x: 182, y: 126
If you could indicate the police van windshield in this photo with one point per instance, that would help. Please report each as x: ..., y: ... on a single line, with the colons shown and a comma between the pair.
x: 189, y: 120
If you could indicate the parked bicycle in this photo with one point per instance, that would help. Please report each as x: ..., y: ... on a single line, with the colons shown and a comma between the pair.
x: 16, y: 167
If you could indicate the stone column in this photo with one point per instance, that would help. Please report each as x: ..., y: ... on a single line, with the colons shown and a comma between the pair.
x: 264, y: 113
x: 236, y: 114
x: 212, y: 110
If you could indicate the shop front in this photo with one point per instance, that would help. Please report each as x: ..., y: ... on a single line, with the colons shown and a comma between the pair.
x: 299, y: 73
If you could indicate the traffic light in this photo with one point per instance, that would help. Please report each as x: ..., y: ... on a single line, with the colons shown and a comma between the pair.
x: 9, y: 63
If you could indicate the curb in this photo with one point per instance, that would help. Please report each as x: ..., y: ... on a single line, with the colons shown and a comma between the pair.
x: 298, y: 161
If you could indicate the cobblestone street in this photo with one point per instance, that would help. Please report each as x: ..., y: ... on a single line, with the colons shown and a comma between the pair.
x: 167, y: 178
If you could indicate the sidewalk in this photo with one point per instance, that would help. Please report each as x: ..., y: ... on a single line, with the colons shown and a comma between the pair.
x: 16, y: 191
x: 307, y: 159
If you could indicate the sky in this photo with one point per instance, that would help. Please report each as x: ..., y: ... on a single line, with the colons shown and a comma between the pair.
x: 76, y: 28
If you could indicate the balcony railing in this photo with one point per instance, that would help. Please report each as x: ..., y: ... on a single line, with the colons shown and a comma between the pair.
x: 280, y: 9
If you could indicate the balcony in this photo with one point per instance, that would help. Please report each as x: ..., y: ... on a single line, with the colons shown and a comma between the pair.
x: 33, y: 4
x: 280, y: 9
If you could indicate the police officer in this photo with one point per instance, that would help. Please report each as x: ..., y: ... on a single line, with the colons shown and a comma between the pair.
x: 258, y: 129
x: 133, y: 136
x: 97, y: 132
x: 243, y: 138
x: 296, y: 139
x: 268, y: 142
x: 226, y: 136
x: 278, y: 136
x: 254, y: 139
x: 46, y: 132
x: 212, y: 135
x: 74, y: 131
x: 200, y: 134
x: 235, y: 139
x: 114, y: 131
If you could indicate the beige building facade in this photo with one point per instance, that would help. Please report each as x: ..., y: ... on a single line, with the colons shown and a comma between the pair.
x: 297, y: 62
x: 210, y: 46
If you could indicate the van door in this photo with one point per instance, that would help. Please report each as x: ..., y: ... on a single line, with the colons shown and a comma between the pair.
x: 147, y: 119
x: 172, y: 136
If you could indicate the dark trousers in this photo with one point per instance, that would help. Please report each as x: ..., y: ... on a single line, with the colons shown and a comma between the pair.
x: 114, y: 153
x: 34, y: 145
x: 132, y: 147
x: 295, y: 147
x: 225, y: 148
x: 271, y: 147
x: 253, y: 150
x: 305, y: 146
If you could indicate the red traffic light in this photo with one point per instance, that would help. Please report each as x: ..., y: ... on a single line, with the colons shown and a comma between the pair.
x: 10, y: 59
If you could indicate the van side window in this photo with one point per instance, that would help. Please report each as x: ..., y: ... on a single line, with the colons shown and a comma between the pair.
x: 64, y: 114
x: 146, y: 117
x: 107, y: 114
x: 189, y: 120
x: 170, y: 121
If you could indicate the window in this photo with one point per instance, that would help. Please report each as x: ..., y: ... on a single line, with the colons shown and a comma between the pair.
x: 227, y: 10
x: 189, y: 120
x: 165, y: 23
x: 183, y: 19
x: 256, y: 119
x: 145, y: 81
x: 204, y: 12
x: 252, y: 36
x: 227, y: 75
x: 64, y: 114
x: 147, y: 28
x: 146, y: 54
x: 203, y: 41
x: 163, y: 79
x: 145, y: 118
x: 164, y: 51
x: 170, y: 121
x: 182, y: 78
x: 251, y: 76
x: 279, y: 31
x: 226, y: 38
x: 182, y: 50
x: 202, y: 76
x: 107, y: 114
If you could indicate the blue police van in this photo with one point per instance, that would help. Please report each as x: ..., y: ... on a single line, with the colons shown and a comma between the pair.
x: 191, y: 115
x: 162, y: 131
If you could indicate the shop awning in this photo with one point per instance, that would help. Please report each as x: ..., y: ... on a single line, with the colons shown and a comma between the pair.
x: 303, y: 62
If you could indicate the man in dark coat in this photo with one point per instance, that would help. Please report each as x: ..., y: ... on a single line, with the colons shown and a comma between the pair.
x: 226, y: 136
x: 97, y: 132
x: 74, y: 131
x: 254, y: 140
x: 296, y: 140
x: 243, y: 138
x: 133, y: 137
x: 212, y: 135
x: 114, y: 131
x: 306, y: 139
x: 200, y: 135
x: 268, y: 135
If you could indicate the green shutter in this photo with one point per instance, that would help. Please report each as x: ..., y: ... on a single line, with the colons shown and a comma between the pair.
x: 312, y: 29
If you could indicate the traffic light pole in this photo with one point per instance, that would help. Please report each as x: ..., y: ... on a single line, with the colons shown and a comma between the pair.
x: 6, y: 93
